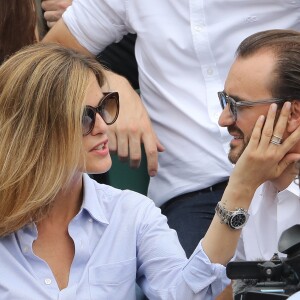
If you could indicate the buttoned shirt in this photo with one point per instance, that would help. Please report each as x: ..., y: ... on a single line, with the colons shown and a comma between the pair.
x: 120, y: 237
x: 271, y: 212
x: 296, y: 296
x: 184, y: 49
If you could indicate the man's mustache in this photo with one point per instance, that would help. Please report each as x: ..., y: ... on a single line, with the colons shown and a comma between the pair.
x: 232, y: 129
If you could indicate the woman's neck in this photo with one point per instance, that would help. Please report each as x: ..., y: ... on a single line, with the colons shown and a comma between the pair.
x: 67, y: 203
x: 286, y: 178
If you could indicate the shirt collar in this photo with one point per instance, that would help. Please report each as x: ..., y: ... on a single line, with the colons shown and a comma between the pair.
x: 92, y: 203
x: 269, y: 187
x: 294, y: 188
x: 267, y: 196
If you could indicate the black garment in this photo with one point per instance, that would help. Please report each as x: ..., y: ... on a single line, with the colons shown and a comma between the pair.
x: 191, y: 214
x: 120, y: 58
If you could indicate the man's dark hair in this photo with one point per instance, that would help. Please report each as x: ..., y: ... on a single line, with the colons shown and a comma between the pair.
x: 285, y: 45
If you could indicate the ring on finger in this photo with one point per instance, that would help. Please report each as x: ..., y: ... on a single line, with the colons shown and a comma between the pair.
x: 276, y: 140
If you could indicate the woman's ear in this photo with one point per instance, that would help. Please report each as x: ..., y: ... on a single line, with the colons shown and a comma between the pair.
x: 294, y: 118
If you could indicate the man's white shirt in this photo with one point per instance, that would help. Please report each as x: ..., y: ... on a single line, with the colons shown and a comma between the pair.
x: 271, y: 212
x: 184, y: 50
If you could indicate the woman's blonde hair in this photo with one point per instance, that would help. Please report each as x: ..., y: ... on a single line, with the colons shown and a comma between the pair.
x: 42, y: 93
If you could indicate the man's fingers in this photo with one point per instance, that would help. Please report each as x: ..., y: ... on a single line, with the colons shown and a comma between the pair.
x: 123, y: 151
x: 53, y: 16
x: 53, y: 10
x: 160, y: 147
x: 50, y: 24
x: 135, y: 151
x: 49, y: 5
x: 54, y: 5
x: 112, y: 141
x: 151, y: 149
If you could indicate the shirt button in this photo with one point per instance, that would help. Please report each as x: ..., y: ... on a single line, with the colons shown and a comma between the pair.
x: 210, y: 71
x: 198, y: 28
x: 48, y: 281
x: 90, y: 220
x: 25, y: 249
x: 251, y: 19
x: 216, y: 116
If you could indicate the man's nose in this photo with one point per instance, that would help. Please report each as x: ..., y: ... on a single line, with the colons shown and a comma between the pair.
x: 226, y: 118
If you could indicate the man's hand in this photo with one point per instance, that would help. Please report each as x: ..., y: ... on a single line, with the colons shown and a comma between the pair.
x: 132, y: 127
x: 54, y: 10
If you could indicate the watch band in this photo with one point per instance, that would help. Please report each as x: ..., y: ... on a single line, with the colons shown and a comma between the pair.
x: 235, y: 219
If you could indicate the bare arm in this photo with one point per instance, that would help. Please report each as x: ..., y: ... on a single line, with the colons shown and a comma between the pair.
x: 61, y: 34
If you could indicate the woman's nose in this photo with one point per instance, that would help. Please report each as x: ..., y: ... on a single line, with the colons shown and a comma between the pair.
x: 100, y: 126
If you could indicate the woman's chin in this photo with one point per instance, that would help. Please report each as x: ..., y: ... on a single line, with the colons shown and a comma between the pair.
x: 99, y: 168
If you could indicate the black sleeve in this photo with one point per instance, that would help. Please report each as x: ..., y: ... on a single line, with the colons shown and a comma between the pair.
x: 120, y: 58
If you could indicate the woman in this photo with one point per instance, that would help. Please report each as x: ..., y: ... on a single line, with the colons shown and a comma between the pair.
x: 64, y: 236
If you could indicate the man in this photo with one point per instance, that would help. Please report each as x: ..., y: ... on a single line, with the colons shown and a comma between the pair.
x: 183, y: 49
x: 266, y: 70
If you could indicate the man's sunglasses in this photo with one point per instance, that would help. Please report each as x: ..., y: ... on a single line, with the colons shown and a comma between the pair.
x: 108, y: 109
x: 234, y: 105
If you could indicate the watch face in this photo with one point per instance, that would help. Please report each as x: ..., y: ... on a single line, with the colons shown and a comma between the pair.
x: 237, y: 220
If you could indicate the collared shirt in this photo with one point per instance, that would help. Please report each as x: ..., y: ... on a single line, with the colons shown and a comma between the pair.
x: 296, y: 296
x: 120, y: 237
x: 184, y: 49
x: 270, y: 214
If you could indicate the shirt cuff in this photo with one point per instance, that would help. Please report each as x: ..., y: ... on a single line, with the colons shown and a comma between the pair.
x: 213, y: 276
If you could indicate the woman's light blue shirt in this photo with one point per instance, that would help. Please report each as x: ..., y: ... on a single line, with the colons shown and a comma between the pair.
x: 120, y: 238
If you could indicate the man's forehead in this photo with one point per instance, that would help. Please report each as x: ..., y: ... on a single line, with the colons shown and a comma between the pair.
x: 251, y: 77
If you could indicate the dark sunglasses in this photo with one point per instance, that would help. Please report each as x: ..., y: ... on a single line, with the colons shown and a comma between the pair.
x: 108, y: 109
x: 234, y: 105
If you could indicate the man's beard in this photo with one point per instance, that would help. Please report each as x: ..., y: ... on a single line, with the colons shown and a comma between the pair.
x: 236, y: 151
x: 234, y: 155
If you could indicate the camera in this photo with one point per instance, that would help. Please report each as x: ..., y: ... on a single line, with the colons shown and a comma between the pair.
x: 278, y: 278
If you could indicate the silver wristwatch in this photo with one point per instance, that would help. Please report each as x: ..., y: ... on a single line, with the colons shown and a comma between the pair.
x: 235, y: 219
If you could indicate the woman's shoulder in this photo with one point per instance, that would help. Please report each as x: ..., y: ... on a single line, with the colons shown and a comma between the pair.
x: 110, y: 194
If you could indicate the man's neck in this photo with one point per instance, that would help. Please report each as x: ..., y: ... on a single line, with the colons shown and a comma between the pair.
x: 286, y: 178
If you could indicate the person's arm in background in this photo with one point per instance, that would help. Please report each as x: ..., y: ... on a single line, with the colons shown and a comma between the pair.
x: 133, y: 126
x: 118, y: 57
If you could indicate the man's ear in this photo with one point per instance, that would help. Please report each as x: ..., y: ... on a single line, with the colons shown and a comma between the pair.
x: 294, y: 118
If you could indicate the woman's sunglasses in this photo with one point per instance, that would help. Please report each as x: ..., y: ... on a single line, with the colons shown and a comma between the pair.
x: 108, y: 109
